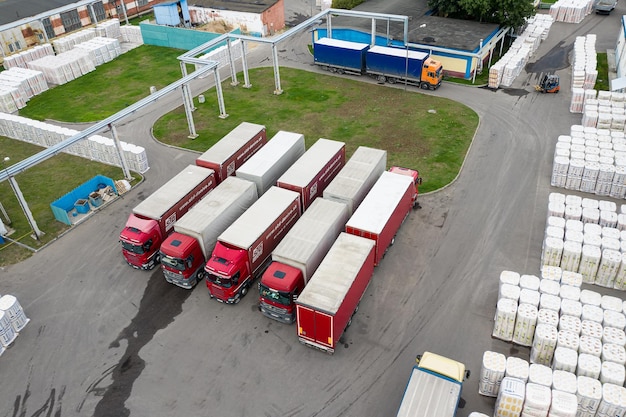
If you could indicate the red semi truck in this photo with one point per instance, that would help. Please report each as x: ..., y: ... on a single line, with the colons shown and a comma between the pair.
x: 243, y: 251
x: 153, y: 219
x: 297, y: 257
x: 357, y: 177
x: 230, y: 152
x: 383, y: 210
x: 272, y: 160
x: 314, y: 170
x: 185, y: 252
x: 326, y: 306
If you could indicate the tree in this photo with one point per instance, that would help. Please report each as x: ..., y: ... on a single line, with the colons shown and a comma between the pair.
x: 506, y: 13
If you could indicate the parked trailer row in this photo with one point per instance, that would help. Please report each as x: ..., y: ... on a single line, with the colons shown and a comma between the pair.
x: 153, y: 219
x: 387, y: 64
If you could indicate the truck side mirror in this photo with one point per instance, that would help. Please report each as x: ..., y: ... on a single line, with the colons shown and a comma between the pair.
x: 467, y: 373
x: 418, y: 358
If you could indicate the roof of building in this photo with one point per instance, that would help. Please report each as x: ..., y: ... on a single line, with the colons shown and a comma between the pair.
x: 247, y: 6
x: 12, y: 10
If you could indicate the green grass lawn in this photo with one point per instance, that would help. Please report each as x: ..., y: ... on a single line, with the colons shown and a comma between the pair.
x: 41, y: 185
x: 112, y: 87
x: 602, y: 82
x: 419, y: 131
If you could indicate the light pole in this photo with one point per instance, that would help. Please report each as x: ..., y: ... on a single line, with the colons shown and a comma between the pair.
x: 21, y: 200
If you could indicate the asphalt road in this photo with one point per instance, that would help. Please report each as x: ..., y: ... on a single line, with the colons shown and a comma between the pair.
x: 106, y: 340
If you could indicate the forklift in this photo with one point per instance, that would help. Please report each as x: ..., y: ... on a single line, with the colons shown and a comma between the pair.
x: 549, y: 84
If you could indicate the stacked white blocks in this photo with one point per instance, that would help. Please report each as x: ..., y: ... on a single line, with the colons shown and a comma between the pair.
x: 12, y: 320
x: 584, y: 71
x: 96, y: 147
x: 20, y: 59
x: 570, y: 11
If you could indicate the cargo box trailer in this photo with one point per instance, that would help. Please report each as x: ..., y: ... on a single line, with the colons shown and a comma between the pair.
x: 357, y: 177
x: 185, y: 252
x: 243, y: 250
x: 314, y: 170
x: 297, y: 257
x: 270, y: 162
x: 326, y: 306
x: 383, y: 210
x: 340, y: 56
x: 153, y: 219
x: 230, y: 152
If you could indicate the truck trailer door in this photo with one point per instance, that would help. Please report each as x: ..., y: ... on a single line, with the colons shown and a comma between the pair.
x: 315, y: 326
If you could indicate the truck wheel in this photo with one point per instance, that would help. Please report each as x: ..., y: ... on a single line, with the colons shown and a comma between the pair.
x: 392, y: 80
x: 424, y: 86
x: 244, y: 290
x: 341, y: 71
x: 381, y: 79
x: 199, y: 276
x: 332, y: 69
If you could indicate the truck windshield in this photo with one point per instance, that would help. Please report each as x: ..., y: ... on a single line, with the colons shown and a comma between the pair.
x: 132, y: 248
x: 218, y: 280
x: 276, y: 296
x: 173, y: 263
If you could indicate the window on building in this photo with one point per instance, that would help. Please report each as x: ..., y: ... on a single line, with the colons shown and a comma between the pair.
x: 47, y: 26
x: 70, y: 20
x: 141, y: 3
x: 98, y: 9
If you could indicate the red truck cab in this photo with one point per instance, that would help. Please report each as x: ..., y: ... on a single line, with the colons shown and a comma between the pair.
x: 182, y: 260
x: 140, y: 240
x: 417, y: 180
x: 279, y: 289
x: 225, y: 270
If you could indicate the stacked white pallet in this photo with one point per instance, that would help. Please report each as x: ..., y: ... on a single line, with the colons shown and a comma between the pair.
x: 584, y: 73
x: 589, y: 395
x: 131, y: 34
x: 491, y: 374
x: 537, y: 400
x: 613, y: 401
x: 67, y: 43
x: 109, y: 29
x: 64, y: 67
x: 510, y: 398
x: 96, y: 147
x: 101, y: 50
x: 10, y: 100
x: 570, y: 11
x: 20, y: 59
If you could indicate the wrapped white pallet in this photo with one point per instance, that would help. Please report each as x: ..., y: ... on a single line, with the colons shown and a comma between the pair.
x: 557, y: 209
x: 614, y: 319
x: 591, y: 328
x: 612, y: 232
x: 591, y: 297
x: 530, y: 282
x: 613, y: 335
x: 609, y: 265
x: 575, y: 212
x: 571, y: 324
x: 607, y: 205
x: 610, y: 302
x: 620, y: 277
x: 506, y: 310
x: 568, y: 292
x: 589, y: 395
x: 537, y: 400
x: 517, y: 368
x: 590, y: 345
x: 551, y: 302
x: 491, y: 373
x: 572, y: 255
x: 525, y: 324
x: 589, y: 365
x: 564, y: 404
x: 565, y: 359
x: 593, y: 313
x: 544, y: 344
x: 510, y: 398
x: 568, y: 340
x: 509, y: 277
x: 527, y: 296
x: 552, y: 251
x: 573, y: 200
x: 613, y: 401
x: 591, y: 215
x: 589, y: 263
x: 610, y: 243
x: 556, y: 222
x: 571, y: 308
x: 613, y: 353
x: 14, y: 311
x: 475, y: 413
x: 551, y: 273
x: 540, y: 374
x: 549, y: 316
x: 558, y: 197
x: 7, y: 331
x: 564, y: 381
x: 547, y: 286
x: 509, y: 291
x: 612, y: 373
x: 590, y: 202
x: 571, y: 278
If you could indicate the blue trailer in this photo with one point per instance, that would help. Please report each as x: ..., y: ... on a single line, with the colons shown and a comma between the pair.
x: 391, y: 64
x: 340, y: 56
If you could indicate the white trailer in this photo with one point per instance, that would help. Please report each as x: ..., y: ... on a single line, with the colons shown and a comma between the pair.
x: 357, y: 177
x: 272, y: 160
x: 216, y: 212
x: 311, y: 237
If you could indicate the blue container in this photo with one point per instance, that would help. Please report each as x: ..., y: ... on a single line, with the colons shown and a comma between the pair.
x: 95, y: 199
x: 340, y: 54
x: 82, y: 205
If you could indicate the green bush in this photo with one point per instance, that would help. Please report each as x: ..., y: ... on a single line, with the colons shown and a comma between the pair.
x: 346, y: 4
